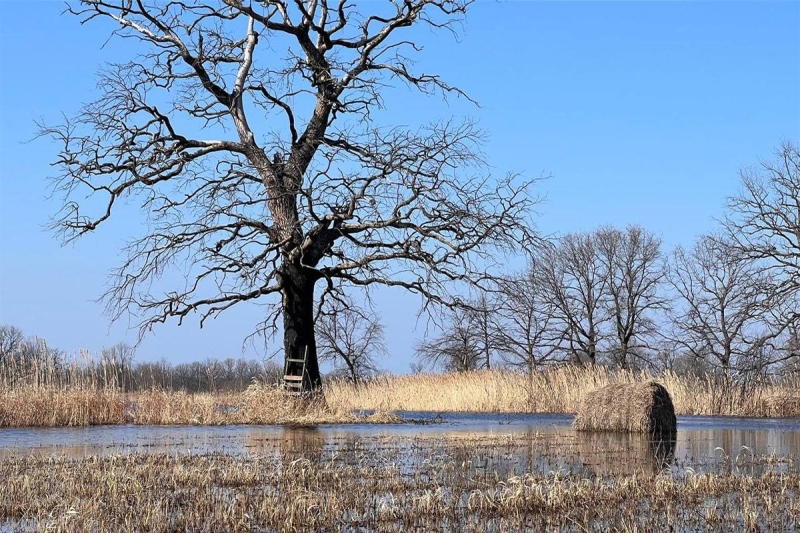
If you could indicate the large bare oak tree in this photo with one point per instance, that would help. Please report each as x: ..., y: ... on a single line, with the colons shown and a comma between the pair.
x: 246, y: 132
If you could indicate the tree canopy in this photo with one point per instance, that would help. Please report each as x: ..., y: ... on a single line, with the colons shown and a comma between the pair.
x: 247, y: 133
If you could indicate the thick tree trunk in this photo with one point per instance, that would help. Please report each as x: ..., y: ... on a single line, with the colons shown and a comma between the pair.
x: 298, y: 324
x: 623, y: 356
x: 591, y: 353
x: 353, y: 374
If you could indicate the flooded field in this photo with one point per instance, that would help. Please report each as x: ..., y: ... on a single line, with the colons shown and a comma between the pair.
x: 447, y: 472
x: 702, y: 444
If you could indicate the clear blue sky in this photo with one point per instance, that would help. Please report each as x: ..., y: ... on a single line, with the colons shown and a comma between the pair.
x: 643, y: 112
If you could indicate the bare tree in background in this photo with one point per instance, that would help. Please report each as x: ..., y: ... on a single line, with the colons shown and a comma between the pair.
x: 791, y: 347
x: 730, y: 314
x: 246, y: 133
x: 116, y: 364
x: 482, y: 316
x: 11, y: 339
x: 350, y: 335
x: 573, y: 278
x: 763, y: 222
x: 591, y: 295
x: 526, y: 332
x: 634, y: 270
x: 458, y: 347
x: 29, y: 360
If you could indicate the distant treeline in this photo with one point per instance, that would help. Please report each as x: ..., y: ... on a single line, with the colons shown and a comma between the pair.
x: 612, y: 297
x: 30, y: 361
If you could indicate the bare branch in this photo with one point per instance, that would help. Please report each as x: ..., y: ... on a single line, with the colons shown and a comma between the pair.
x: 260, y: 174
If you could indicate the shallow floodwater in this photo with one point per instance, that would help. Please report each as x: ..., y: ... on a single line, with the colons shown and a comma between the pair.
x: 501, y: 444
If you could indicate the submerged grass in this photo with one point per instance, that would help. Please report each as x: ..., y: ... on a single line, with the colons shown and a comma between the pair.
x: 47, y: 402
x: 373, y: 491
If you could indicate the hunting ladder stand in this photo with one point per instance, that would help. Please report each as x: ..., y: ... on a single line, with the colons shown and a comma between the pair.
x: 294, y: 370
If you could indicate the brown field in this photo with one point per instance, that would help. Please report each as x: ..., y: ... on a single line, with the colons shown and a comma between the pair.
x: 43, y: 401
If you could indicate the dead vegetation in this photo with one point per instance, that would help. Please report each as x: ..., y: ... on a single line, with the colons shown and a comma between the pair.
x: 561, y: 390
x: 644, y: 407
x: 41, y: 407
x: 44, y: 397
x: 374, y: 490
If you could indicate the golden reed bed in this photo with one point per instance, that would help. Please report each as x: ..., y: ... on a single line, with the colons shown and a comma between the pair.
x: 38, y: 407
x: 558, y: 390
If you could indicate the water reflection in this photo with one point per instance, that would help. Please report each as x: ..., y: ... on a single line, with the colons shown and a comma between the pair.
x: 308, y: 443
x: 612, y: 454
x: 477, y: 445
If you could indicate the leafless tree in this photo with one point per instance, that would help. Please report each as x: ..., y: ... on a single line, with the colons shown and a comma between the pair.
x: 634, y: 270
x: 791, y: 348
x: 11, y: 339
x: 573, y: 278
x: 526, y: 332
x: 211, y: 375
x: 35, y: 361
x: 246, y: 132
x: 458, y: 347
x: 191, y: 377
x: 792, y: 343
x: 350, y: 335
x: 763, y: 225
x: 763, y: 222
x: 149, y: 375
x: 482, y: 311
x: 116, y: 365
x: 596, y: 295
x: 237, y: 374
x: 730, y: 312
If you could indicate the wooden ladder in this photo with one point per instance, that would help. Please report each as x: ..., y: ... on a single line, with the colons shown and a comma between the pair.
x: 293, y: 372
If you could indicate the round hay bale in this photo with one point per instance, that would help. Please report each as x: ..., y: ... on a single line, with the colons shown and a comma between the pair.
x: 644, y: 407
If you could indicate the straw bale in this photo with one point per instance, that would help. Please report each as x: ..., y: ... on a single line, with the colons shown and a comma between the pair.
x: 644, y: 407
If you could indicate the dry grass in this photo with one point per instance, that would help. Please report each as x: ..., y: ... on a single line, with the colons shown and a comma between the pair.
x: 373, y: 492
x: 643, y: 407
x: 43, y: 401
x: 43, y: 407
x: 558, y: 390
x: 27, y: 406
